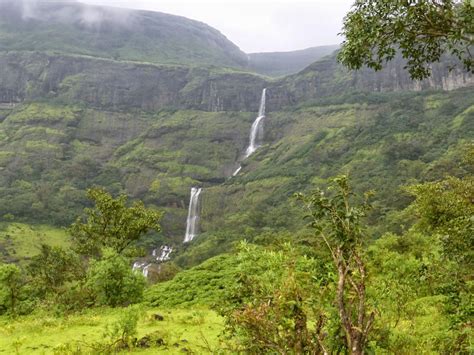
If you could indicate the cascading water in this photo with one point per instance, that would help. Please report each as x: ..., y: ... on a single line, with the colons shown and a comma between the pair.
x: 256, y: 131
x: 192, y: 223
x: 237, y: 170
x: 164, y: 255
x: 145, y: 270
x: 160, y: 255
x: 143, y: 267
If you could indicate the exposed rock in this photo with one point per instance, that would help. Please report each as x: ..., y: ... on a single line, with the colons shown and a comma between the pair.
x: 158, y: 317
x: 114, y: 85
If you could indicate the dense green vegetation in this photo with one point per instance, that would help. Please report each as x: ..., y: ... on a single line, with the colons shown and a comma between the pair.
x: 421, y: 31
x: 415, y: 287
x: 103, y: 134
x: 382, y: 141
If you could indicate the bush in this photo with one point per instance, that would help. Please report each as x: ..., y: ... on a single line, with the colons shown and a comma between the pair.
x: 14, y: 295
x: 113, y: 282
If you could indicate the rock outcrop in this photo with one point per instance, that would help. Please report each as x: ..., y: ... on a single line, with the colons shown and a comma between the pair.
x: 118, y: 85
x: 114, y: 85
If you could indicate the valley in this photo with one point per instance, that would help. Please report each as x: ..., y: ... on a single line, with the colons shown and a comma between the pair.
x: 149, y: 166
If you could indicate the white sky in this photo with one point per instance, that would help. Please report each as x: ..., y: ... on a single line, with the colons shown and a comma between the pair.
x: 258, y: 25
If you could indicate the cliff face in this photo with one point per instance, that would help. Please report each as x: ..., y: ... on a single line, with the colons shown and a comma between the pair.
x: 118, y: 85
x: 327, y: 77
x: 124, y: 85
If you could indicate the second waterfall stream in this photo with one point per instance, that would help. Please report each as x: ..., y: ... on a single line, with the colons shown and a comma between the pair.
x: 256, y: 131
x: 256, y: 134
x: 192, y: 223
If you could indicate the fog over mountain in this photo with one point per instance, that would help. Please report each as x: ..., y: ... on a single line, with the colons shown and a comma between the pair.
x: 258, y: 25
x: 43, y: 11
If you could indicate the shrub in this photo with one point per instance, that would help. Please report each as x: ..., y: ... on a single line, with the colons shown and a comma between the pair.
x: 113, y: 282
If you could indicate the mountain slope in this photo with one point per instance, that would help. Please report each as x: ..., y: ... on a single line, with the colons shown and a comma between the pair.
x: 285, y: 63
x: 74, y: 28
x: 154, y: 130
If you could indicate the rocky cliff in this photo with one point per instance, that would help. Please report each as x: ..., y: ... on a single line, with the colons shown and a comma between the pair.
x: 119, y: 85
x: 327, y: 77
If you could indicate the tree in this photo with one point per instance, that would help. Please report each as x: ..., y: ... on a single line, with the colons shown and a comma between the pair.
x: 446, y: 209
x: 111, y: 224
x: 113, y: 281
x: 53, y: 267
x: 269, y: 309
x: 420, y: 30
x: 339, y: 225
x: 12, y: 285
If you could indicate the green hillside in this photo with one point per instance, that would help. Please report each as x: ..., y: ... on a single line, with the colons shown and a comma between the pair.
x: 108, y: 118
x: 75, y: 28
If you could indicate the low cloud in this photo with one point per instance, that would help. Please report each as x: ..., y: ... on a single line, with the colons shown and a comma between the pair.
x: 61, y: 11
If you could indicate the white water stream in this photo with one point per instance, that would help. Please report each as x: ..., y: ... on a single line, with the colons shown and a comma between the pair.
x: 192, y: 223
x: 256, y: 131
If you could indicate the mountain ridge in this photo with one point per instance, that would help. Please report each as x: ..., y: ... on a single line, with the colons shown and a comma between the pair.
x: 76, y: 28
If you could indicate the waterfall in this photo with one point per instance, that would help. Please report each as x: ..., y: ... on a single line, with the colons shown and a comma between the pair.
x: 145, y: 270
x: 164, y: 255
x: 237, y: 170
x: 192, y: 223
x: 143, y: 267
x: 256, y: 131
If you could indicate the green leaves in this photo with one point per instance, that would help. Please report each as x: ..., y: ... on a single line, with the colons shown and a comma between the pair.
x: 113, y: 281
x: 112, y: 224
x: 420, y: 30
x: 331, y: 214
x: 53, y: 267
x: 13, y: 294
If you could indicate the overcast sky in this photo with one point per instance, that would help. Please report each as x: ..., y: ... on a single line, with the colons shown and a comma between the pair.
x: 258, y: 25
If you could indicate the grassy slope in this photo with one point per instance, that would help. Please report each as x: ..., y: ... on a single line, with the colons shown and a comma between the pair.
x: 50, y: 153
x: 19, y: 242
x: 196, y: 330
x: 382, y: 141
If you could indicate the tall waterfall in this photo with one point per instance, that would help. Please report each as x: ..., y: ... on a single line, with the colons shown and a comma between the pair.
x: 256, y: 131
x: 192, y: 223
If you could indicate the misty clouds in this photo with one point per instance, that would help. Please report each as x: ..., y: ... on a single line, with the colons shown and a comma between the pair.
x: 63, y: 11
x: 258, y: 25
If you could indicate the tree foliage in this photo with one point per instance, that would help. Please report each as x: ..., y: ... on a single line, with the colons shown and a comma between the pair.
x: 420, y: 30
x: 338, y: 221
x: 446, y: 209
x: 113, y: 282
x: 111, y: 224
x: 53, y: 267
x: 13, y: 290
x: 269, y: 308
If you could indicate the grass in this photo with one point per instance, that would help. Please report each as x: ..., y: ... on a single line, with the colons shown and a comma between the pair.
x: 196, y: 330
x: 19, y: 242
